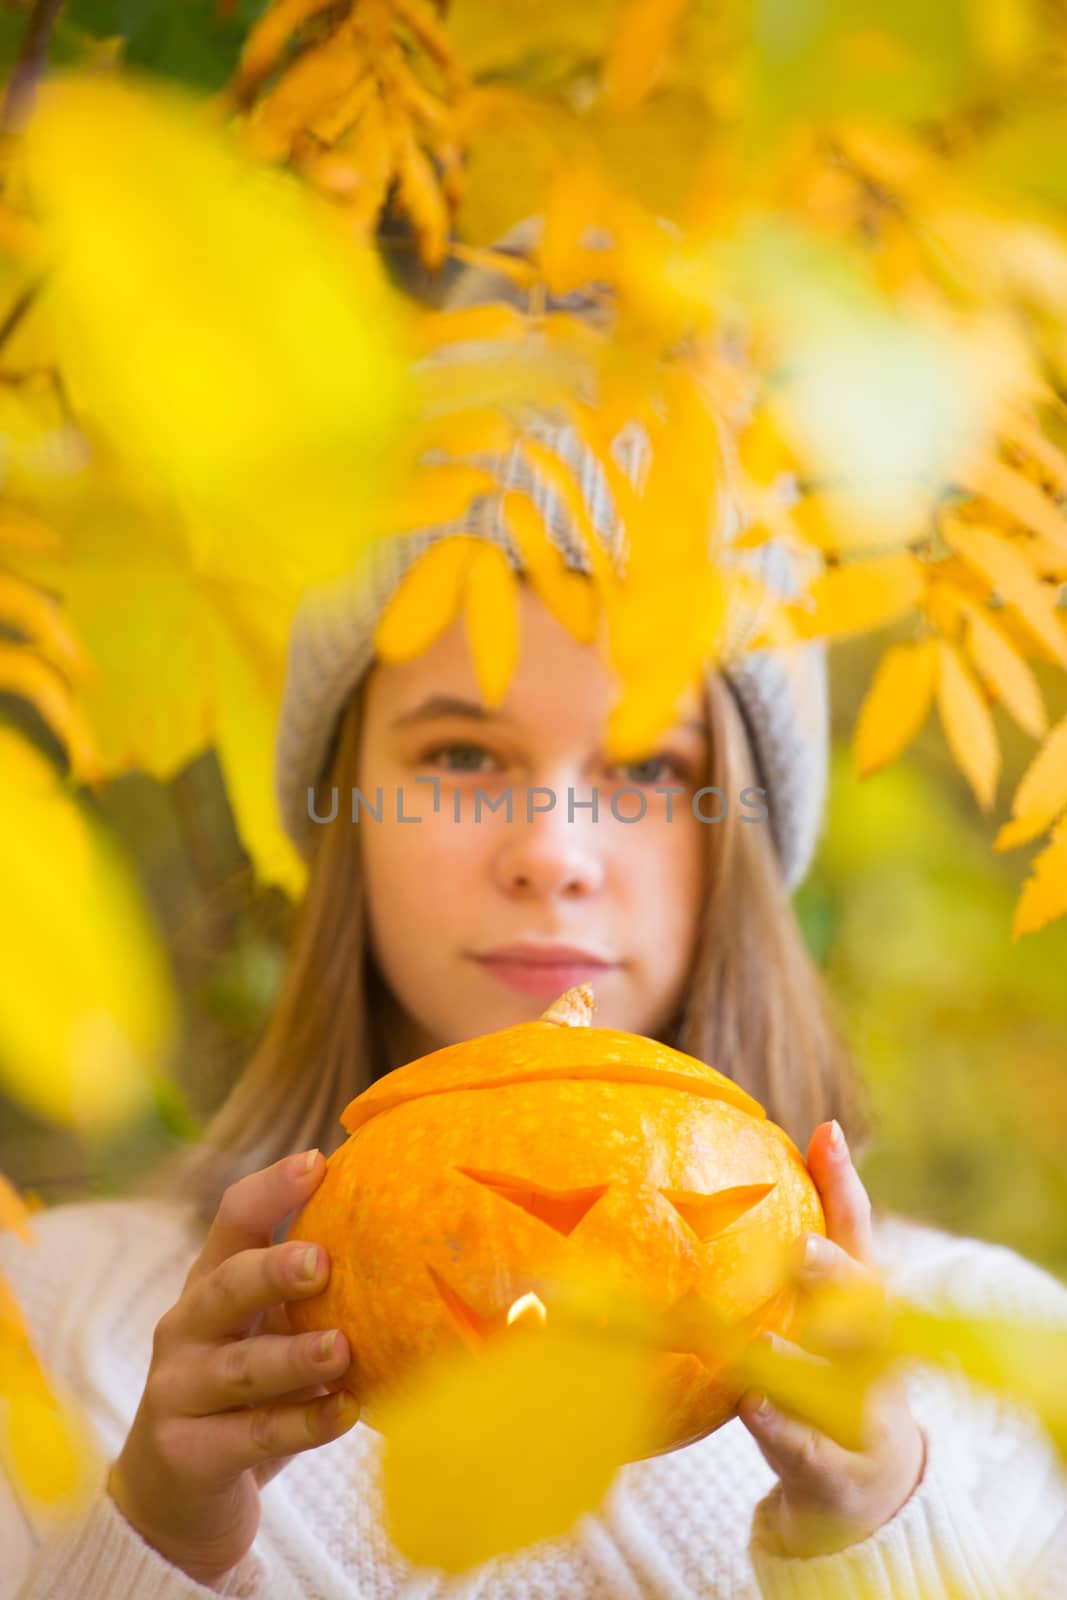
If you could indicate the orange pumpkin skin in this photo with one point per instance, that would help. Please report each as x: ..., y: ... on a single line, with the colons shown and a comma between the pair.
x: 477, y: 1170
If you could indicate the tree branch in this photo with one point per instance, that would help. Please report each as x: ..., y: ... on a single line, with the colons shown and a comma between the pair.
x: 28, y: 69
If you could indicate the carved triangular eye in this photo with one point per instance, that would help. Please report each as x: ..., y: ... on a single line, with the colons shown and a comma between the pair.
x: 561, y: 1209
x: 709, y: 1214
x: 471, y: 1324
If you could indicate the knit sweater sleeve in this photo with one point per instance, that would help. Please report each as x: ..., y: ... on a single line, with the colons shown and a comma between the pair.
x: 99, y: 1555
x: 988, y: 1518
x: 69, y: 1286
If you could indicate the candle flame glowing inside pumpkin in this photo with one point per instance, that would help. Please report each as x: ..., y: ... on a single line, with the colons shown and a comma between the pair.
x: 529, y: 1309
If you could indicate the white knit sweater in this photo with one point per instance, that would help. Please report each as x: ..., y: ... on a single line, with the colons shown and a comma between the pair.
x: 988, y: 1521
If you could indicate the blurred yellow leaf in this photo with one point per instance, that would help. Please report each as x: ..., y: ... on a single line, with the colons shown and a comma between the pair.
x: 25, y: 674
x: 1023, y: 1360
x: 1020, y: 830
x: 87, y: 1013
x: 434, y: 493
x: 569, y: 595
x: 1044, y: 897
x: 267, y: 40
x: 1006, y: 570
x: 45, y: 1445
x: 491, y: 615
x: 641, y: 44
x: 1042, y: 791
x: 896, y: 704
x: 968, y: 724
x: 860, y: 596
x: 185, y: 652
x: 1010, y: 492
x: 231, y: 335
x: 488, y: 1453
x: 427, y: 598
x: 1000, y: 664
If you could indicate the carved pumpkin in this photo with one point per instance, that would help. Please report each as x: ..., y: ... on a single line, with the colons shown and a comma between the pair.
x: 476, y: 1171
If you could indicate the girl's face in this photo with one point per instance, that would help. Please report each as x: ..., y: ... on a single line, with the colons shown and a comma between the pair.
x: 444, y: 892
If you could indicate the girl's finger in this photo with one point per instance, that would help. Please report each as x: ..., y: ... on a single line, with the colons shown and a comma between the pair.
x: 253, y: 1438
x: 271, y: 1366
x: 816, y: 1393
x: 844, y: 1305
x: 806, y: 1460
x: 845, y: 1201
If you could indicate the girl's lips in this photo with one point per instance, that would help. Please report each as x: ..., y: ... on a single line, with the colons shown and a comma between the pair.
x: 545, y: 978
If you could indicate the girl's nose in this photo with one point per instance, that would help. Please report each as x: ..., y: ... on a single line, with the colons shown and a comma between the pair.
x: 545, y: 863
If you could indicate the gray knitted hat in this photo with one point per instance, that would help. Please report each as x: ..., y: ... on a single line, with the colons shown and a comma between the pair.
x: 782, y: 695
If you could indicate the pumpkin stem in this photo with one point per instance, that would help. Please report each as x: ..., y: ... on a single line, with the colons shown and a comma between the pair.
x: 574, y: 1009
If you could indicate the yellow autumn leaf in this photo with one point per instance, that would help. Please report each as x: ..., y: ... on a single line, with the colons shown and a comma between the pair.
x: 24, y: 532
x: 1010, y: 492
x: 39, y: 618
x: 244, y: 350
x: 318, y: 77
x: 1021, y: 1359
x: 333, y: 119
x: 433, y: 493
x: 944, y: 603
x: 859, y: 597
x: 491, y: 616
x: 45, y: 1446
x: 896, y: 704
x: 268, y: 37
x: 1042, y: 791
x: 680, y: 638
x: 358, y: 170
x: 1000, y: 664
x: 568, y: 594
x: 87, y: 1014
x: 491, y: 36
x: 185, y: 652
x: 465, y: 432
x: 1006, y: 570
x: 475, y: 1447
x: 1043, y: 899
x: 1025, y: 433
x: 423, y: 200
x: 25, y: 674
x: 1020, y: 830
x: 640, y: 48
x: 426, y: 600
x: 967, y: 723
x: 490, y: 322
x: 515, y: 142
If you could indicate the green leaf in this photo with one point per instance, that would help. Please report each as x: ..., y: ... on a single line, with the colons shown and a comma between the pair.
x: 182, y: 39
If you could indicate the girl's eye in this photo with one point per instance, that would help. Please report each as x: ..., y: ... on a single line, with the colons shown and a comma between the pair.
x: 677, y: 769
x: 438, y: 750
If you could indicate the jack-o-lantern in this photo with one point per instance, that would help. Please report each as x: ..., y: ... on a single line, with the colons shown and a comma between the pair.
x: 475, y: 1173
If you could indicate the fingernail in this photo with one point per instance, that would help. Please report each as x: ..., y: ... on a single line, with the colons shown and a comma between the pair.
x: 812, y: 1255
x: 838, y: 1143
x: 345, y: 1410
x: 326, y: 1344
x: 302, y: 1164
x: 763, y: 1411
x: 309, y: 1266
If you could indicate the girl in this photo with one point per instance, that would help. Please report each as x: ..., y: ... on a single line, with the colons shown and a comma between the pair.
x: 227, y: 1464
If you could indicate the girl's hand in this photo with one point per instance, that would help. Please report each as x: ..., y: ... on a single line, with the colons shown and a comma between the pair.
x: 832, y: 1497
x: 232, y: 1393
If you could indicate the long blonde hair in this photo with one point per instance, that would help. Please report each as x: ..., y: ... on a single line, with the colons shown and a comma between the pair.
x: 756, y: 1006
